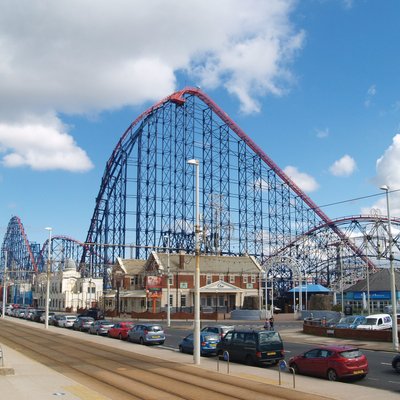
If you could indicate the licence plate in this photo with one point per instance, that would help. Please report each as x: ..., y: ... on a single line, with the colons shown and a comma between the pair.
x: 271, y: 353
x: 156, y: 336
x: 213, y: 345
x: 360, y: 371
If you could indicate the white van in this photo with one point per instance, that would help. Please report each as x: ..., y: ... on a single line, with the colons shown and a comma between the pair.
x: 377, y: 322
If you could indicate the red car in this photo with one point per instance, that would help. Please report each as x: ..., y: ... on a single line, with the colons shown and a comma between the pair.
x: 120, y: 330
x: 331, y: 362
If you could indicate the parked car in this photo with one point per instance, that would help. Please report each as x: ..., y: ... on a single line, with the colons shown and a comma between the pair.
x: 351, y: 321
x: 331, y: 362
x: 219, y: 330
x: 82, y: 324
x: 53, y: 320
x: 43, y: 316
x: 66, y: 321
x: 396, y: 363
x: 208, y: 343
x: 95, y: 313
x: 146, y: 334
x: 120, y: 330
x: 100, y: 327
x: 254, y: 346
x: 377, y: 322
x: 37, y: 314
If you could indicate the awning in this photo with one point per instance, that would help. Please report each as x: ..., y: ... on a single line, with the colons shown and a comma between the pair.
x: 312, y: 288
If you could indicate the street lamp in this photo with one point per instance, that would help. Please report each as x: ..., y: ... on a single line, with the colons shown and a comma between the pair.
x: 196, y: 333
x: 46, y: 314
x: 3, y: 313
x: 168, y: 285
x: 395, y: 337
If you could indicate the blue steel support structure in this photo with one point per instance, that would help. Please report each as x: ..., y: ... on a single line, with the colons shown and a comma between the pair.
x: 248, y: 205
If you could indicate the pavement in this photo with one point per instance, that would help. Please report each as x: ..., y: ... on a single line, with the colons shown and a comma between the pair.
x: 34, y: 381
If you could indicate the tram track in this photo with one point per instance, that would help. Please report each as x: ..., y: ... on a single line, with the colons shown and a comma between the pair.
x: 125, y: 375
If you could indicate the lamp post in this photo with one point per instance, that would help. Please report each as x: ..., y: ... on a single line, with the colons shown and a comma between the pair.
x: 395, y: 334
x: 168, y: 285
x: 196, y: 333
x: 46, y: 313
x: 3, y: 313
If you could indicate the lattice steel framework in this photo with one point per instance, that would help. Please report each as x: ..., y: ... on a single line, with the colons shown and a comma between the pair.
x: 248, y: 204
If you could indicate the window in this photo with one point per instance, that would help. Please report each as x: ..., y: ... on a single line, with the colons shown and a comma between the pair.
x: 231, y: 278
x: 171, y: 300
x: 253, y: 279
x: 221, y: 277
x: 245, y: 278
x: 183, y: 300
x: 209, y: 279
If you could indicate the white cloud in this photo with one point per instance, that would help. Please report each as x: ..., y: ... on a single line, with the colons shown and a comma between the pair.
x: 345, y: 166
x: 322, y: 133
x: 41, y: 147
x: 388, y: 173
x: 371, y: 92
x: 77, y: 57
x: 304, y: 181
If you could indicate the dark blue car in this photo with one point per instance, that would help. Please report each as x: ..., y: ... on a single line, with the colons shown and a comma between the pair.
x: 208, y: 343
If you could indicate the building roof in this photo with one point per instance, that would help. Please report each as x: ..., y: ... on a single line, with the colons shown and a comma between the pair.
x: 379, y: 281
x: 131, y: 266
x: 310, y: 288
x: 208, y: 264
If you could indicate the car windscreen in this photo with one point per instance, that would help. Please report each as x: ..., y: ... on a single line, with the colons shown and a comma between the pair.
x: 154, y: 328
x: 354, y: 353
x: 267, y: 339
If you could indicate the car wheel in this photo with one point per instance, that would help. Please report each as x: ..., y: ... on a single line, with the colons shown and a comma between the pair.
x: 141, y: 341
x: 181, y: 349
x: 162, y: 342
x: 295, y: 368
x: 332, y: 375
x: 120, y: 337
x: 249, y: 360
x: 396, y: 366
x: 128, y: 339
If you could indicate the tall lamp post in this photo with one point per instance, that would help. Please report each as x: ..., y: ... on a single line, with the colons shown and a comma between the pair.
x: 196, y: 333
x: 168, y: 285
x: 395, y: 337
x: 46, y: 313
x: 3, y: 312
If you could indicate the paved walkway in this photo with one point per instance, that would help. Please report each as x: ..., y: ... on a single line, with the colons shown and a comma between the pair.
x: 34, y: 381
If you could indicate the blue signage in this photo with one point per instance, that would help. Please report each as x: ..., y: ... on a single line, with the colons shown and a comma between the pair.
x: 373, y: 295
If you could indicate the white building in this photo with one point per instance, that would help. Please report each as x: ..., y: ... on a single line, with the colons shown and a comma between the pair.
x: 68, y: 290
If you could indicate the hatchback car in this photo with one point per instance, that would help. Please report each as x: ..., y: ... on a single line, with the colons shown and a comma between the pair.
x: 66, y: 321
x: 219, y: 330
x: 100, y: 327
x: 146, y: 334
x: 120, y: 330
x: 350, y: 322
x: 331, y: 362
x: 396, y: 363
x: 82, y: 324
x: 208, y: 343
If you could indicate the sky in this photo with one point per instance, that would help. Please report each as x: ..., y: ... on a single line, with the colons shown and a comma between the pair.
x: 314, y: 83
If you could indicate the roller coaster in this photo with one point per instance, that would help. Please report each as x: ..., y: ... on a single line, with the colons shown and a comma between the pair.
x: 248, y: 205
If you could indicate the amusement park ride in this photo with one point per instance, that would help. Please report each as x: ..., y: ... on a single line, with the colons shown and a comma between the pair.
x: 248, y: 205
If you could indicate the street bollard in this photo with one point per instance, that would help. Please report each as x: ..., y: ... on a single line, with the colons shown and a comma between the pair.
x: 226, y: 358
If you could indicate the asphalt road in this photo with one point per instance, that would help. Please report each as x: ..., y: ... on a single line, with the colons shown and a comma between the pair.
x: 381, y: 374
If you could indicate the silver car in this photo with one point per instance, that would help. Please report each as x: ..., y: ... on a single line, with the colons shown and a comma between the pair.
x: 146, y: 334
x: 100, y: 327
x: 66, y: 321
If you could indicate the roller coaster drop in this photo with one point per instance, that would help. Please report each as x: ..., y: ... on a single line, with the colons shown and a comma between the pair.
x: 248, y: 205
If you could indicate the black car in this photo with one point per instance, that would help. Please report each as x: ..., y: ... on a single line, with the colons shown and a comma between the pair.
x: 396, y: 363
x: 253, y: 346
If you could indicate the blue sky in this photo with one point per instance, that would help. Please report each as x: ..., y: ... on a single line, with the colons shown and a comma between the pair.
x: 314, y: 83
